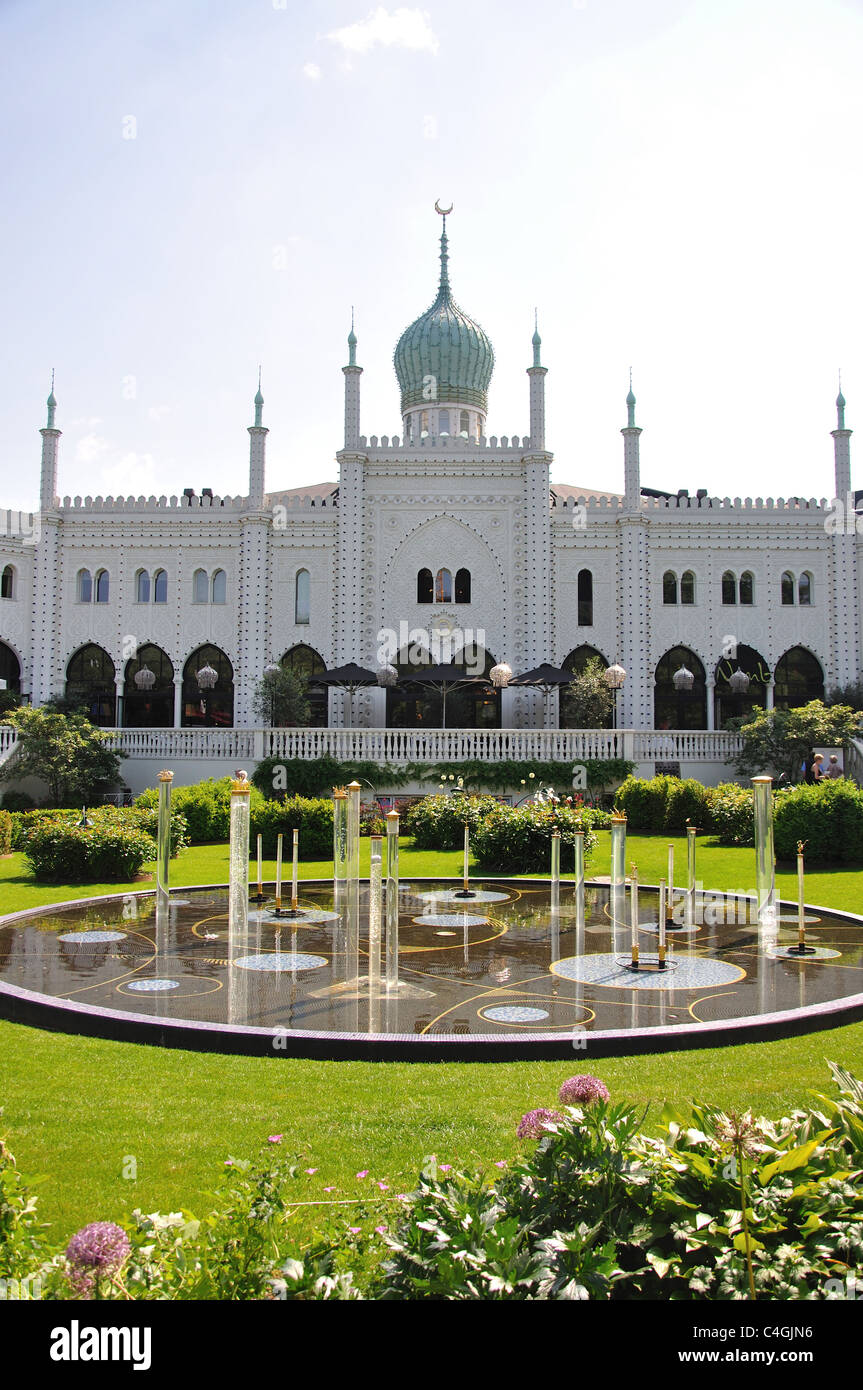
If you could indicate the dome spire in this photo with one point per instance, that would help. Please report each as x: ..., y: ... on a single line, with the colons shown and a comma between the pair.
x: 840, y: 406
x: 444, y: 288
x: 51, y: 403
x: 536, y: 340
x: 352, y: 343
x: 630, y: 405
x: 259, y: 402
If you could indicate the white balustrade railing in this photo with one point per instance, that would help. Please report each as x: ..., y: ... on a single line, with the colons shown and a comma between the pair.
x: 400, y: 746
x: 8, y: 741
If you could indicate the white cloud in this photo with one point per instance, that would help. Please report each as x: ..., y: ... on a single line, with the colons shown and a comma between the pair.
x: 131, y: 476
x: 90, y: 448
x: 85, y: 422
x: 158, y: 412
x: 403, y: 28
x: 430, y: 127
x: 312, y: 71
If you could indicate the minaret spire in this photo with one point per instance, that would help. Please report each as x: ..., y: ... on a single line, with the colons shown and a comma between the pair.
x: 630, y: 405
x: 537, y: 341
x: 52, y: 404
x: 631, y: 455
x: 840, y: 406
x: 352, y: 343
x: 444, y: 287
x: 259, y: 403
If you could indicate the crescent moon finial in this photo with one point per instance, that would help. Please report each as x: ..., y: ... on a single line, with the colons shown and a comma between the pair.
x: 444, y: 212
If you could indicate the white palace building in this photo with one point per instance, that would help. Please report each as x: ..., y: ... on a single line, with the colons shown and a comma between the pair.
x: 161, y: 613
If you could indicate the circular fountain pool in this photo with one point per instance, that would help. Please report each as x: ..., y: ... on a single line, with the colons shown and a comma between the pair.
x: 506, y: 974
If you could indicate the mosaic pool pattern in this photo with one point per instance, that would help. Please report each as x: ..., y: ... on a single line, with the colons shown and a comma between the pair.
x: 514, y: 963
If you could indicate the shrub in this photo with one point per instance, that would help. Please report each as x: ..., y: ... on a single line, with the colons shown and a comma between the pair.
x: 438, y: 822
x: 61, y: 852
x: 733, y: 815
x: 313, y: 817
x: 665, y: 804
x: 689, y: 802
x: 504, y: 775
x: 276, y: 778
x: 5, y: 832
x: 135, y: 817
x: 17, y: 801
x: 827, y: 816
x: 517, y: 839
x: 206, y: 806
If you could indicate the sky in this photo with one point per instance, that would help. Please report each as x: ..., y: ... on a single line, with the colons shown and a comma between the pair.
x: 196, y: 187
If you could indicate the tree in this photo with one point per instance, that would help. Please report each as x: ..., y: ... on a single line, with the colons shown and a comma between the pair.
x: 63, y: 750
x: 780, y: 741
x: 281, y: 697
x: 587, y: 702
x: 847, y: 695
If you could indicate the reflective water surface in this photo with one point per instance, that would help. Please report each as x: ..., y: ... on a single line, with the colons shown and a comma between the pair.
x: 510, y: 960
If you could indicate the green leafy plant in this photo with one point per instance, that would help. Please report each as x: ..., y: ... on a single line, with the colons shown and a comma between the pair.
x: 206, y: 807
x: 63, y: 852
x: 65, y: 751
x: 780, y: 741
x: 5, y: 832
x: 517, y: 839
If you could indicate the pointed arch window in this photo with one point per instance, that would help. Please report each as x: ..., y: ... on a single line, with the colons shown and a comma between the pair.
x: 462, y: 586
x: 160, y: 587
x: 200, y: 586
x: 425, y: 587
x: 443, y: 422
x: 585, y: 598
x: 804, y: 589
x: 787, y: 588
x: 103, y: 585
x: 669, y: 587
x: 220, y: 587
x: 464, y: 424
x: 85, y: 586
x: 747, y: 588
x: 303, y: 598
x: 729, y: 588
x: 424, y: 422
x: 687, y: 588
x: 7, y: 582
x: 142, y: 587
x: 443, y: 586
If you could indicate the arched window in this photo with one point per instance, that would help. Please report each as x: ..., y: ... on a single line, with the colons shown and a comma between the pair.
x: 443, y: 587
x: 462, y: 586
x: 577, y: 662
x: 585, y: 598
x: 747, y: 588
x: 687, y: 588
x: 306, y: 662
x: 468, y: 706
x: 85, y: 586
x: 90, y: 684
x: 220, y: 587
x: 102, y: 586
x: 788, y: 588
x: 729, y: 588
x: 409, y: 428
x: 799, y: 679
x: 148, y: 702
x: 675, y: 708
x: 205, y: 704
x: 142, y: 587
x: 478, y: 428
x: 7, y: 582
x: 424, y: 422
x: 200, y: 587
x: 443, y: 422
x: 464, y: 424
x: 425, y: 587
x: 804, y: 589
x: 669, y: 587
x: 303, y: 598
x: 160, y: 587
x: 733, y: 704
x: 10, y: 669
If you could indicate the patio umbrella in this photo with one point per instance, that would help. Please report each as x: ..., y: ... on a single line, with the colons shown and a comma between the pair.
x: 350, y: 677
x: 545, y: 678
x: 441, y: 679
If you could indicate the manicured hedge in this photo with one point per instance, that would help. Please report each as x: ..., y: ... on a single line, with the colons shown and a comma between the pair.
x: 143, y: 818
x: 438, y: 822
x: 5, y: 832
x: 277, y: 778
x: 666, y: 804
x: 828, y: 817
x: 517, y: 839
x: 59, y: 852
x: 206, y: 807
x: 313, y: 817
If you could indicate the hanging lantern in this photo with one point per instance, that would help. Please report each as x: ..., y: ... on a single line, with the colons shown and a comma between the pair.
x: 272, y: 669
x: 500, y: 675
x: 614, y: 676
x: 206, y: 677
x: 739, y: 682
x: 683, y: 679
x: 145, y: 679
x: 387, y: 675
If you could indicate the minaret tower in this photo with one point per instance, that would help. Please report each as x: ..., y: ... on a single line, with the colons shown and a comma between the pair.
x: 842, y: 453
x: 537, y: 374
x: 844, y: 566
x: 257, y: 453
x: 631, y: 457
x: 50, y: 453
x: 352, y: 392
x: 45, y: 678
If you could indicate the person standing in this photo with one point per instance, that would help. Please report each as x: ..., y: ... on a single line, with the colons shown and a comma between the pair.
x: 833, y: 769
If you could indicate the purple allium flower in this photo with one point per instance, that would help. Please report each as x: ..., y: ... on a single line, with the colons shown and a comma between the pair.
x: 98, y: 1249
x: 533, y: 1124
x: 583, y: 1090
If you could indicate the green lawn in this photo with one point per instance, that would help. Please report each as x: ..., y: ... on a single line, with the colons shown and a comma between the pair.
x: 76, y: 1108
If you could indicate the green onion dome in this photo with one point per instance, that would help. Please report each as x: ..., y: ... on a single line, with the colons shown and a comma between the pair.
x: 446, y: 345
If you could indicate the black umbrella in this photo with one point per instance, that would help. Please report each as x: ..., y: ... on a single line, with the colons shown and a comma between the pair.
x: 440, y: 680
x: 545, y: 678
x: 350, y: 677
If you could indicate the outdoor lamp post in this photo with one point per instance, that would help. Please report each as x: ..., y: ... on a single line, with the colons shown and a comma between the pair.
x: 614, y: 678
